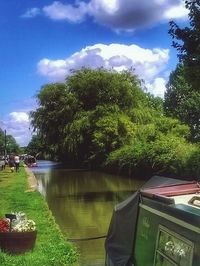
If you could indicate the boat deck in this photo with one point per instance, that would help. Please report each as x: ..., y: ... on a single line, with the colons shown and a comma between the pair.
x: 182, y: 196
x: 190, y: 200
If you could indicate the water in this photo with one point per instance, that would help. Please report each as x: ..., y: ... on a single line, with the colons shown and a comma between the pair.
x: 82, y: 203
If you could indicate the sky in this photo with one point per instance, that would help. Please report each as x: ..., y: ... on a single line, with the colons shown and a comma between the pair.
x: 42, y: 40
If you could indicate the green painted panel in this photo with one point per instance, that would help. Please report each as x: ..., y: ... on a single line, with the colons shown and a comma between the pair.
x: 145, y: 239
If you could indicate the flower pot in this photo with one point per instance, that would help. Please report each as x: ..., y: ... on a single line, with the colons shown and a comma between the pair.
x: 17, y: 242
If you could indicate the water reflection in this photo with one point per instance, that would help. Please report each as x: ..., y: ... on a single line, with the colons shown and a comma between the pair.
x: 82, y: 203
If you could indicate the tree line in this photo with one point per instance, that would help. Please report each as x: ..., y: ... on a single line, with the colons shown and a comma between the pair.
x: 8, y: 144
x: 103, y: 119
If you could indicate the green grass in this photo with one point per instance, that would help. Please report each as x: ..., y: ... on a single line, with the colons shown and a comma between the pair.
x: 51, y: 248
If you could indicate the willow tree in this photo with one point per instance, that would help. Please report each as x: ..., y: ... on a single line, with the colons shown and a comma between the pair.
x: 56, y: 109
x: 87, y: 116
x: 103, y: 117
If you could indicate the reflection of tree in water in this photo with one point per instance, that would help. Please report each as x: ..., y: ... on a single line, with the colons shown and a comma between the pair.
x: 84, y: 199
x: 82, y: 204
x: 88, y: 185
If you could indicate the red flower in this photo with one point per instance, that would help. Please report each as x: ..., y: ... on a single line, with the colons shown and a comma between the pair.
x: 4, y: 225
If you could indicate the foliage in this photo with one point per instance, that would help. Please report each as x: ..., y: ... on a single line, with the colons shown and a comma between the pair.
x: 182, y: 102
x: 188, y: 43
x: 36, y: 147
x: 55, y: 112
x: 11, y: 144
x: 166, y: 155
x: 155, y: 103
x: 182, y: 99
x: 87, y: 114
x: 101, y: 87
x: 2, y: 141
x: 103, y: 118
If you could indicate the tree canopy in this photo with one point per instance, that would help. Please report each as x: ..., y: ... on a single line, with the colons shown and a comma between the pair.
x: 187, y: 43
x: 104, y: 118
x: 182, y: 102
x: 182, y: 98
x: 9, y: 141
x: 86, y: 112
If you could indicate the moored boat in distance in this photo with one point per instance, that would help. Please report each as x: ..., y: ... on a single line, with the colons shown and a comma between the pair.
x: 157, y: 226
x: 30, y: 161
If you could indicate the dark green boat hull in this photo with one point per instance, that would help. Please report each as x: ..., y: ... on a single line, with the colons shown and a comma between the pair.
x: 176, y: 224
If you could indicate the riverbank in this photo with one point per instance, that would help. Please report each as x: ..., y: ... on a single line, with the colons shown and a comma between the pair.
x: 51, y: 248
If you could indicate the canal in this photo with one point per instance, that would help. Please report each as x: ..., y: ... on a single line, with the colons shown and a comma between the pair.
x: 82, y: 203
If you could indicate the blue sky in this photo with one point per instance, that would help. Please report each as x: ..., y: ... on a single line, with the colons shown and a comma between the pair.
x: 40, y: 41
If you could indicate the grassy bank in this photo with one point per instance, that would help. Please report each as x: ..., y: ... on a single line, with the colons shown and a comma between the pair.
x: 50, y: 248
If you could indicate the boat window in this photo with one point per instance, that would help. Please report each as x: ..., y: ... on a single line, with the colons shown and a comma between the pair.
x: 172, y: 249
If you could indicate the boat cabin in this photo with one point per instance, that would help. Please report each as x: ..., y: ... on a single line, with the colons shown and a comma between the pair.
x: 158, y: 226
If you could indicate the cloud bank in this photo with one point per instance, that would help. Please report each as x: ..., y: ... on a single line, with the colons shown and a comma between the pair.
x: 120, y: 15
x: 148, y: 64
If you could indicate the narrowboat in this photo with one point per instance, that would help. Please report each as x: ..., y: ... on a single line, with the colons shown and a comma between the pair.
x: 30, y: 161
x: 159, y: 225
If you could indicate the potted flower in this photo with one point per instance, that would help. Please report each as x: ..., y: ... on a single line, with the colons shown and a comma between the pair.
x: 17, y: 233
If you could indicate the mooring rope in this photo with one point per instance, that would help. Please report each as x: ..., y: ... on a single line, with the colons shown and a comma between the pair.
x: 85, y: 239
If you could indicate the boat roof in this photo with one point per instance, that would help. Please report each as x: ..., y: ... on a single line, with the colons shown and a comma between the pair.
x: 173, y: 190
x: 181, y: 194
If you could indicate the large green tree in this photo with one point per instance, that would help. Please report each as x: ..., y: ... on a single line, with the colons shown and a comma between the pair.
x: 101, y: 117
x: 182, y: 102
x: 8, y: 143
x: 36, y: 147
x: 182, y: 98
x: 11, y: 145
x: 88, y: 113
x: 56, y: 109
x: 187, y: 43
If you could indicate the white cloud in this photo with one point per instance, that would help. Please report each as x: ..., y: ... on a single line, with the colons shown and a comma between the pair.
x: 177, y: 12
x: 31, y: 13
x: 119, y: 15
x: 17, y: 124
x: 53, y: 69
x: 157, y: 87
x: 19, y: 117
x: 148, y: 64
x: 59, y: 11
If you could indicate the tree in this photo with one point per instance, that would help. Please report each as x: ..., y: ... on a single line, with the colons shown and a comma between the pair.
x: 188, y: 43
x: 56, y: 108
x: 36, y: 147
x: 101, y: 117
x: 2, y: 141
x: 10, y: 142
x: 182, y: 102
x: 182, y: 98
x: 71, y: 115
x: 11, y: 145
x: 102, y: 87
